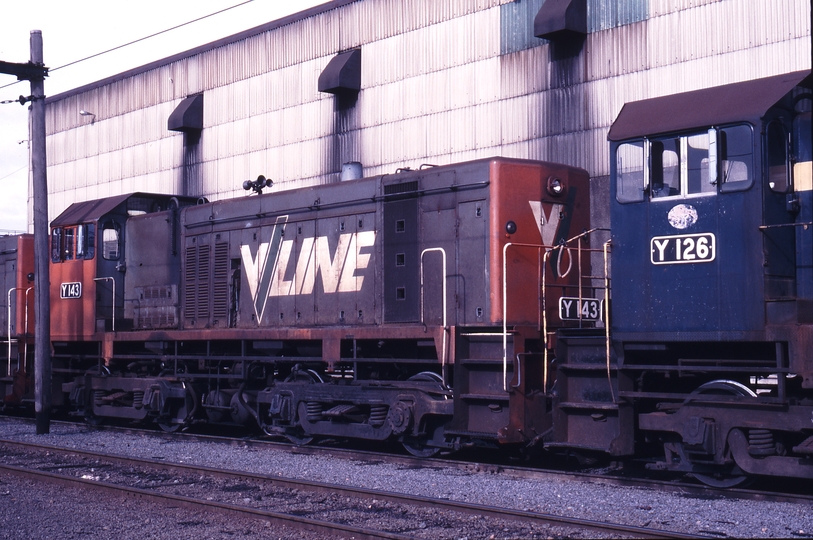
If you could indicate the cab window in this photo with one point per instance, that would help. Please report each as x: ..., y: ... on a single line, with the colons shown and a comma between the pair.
x: 629, y: 166
x: 681, y: 166
x: 111, y: 241
x: 85, y: 238
x: 698, y: 164
x: 56, y: 245
x: 73, y: 243
x: 68, y: 243
x: 736, y: 155
x: 686, y: 165
x: 665, y: 168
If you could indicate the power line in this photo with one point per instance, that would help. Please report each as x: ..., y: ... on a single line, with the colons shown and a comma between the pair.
x: 13, y: 173
x: 141, y: 39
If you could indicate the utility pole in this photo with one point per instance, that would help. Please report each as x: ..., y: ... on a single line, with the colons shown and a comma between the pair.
x: 42, y: 283
x: 35, y: 72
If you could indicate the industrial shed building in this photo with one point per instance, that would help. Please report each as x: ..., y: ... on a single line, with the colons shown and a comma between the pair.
x: 401, y: 83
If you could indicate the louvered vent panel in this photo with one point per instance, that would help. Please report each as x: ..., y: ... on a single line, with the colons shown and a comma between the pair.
x: 203, y: 278
x: 190, y: 281
x: 220, y: 307
x: 405, y: 187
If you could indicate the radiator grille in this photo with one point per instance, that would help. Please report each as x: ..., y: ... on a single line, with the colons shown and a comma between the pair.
x: 220, y: 296
x: 202, y: 286
x: 196, y: 286
x: 405, y: 187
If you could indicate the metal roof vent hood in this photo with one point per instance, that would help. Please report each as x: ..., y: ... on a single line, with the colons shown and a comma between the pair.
x: 342, y: 75
x: 561, y: 20
x: 188, y: 115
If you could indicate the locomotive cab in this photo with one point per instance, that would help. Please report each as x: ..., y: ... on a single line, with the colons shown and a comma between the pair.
x: 711, y: 295
x: 88, y: 265
x: 704, y: 212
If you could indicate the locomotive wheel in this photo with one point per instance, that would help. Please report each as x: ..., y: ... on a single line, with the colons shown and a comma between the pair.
x: 731, y: 475
x: 429, y: 376
x: 418, y: 446
x: 729, y: 478
x: 93, y: 420
x: 166, y: 423
x: 169, y: 428
x: 295, y: 434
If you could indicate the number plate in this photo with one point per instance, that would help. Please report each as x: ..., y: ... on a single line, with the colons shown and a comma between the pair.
x: 683, y: 248
x: 584, y: 309
x: 70, y: 290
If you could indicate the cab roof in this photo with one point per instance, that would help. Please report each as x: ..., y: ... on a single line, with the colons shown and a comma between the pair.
x: 90, y: 211
x: 701, y: 108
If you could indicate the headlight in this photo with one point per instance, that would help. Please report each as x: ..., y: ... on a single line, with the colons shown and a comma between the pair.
x: 555, y: 186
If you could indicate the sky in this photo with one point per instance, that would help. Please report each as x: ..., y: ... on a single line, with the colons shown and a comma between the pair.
x: 76, y: 29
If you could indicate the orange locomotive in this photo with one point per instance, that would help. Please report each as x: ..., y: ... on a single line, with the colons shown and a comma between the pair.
x: 17, y: 317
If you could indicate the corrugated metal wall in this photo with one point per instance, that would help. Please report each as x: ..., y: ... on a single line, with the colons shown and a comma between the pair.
x: 442, y: 81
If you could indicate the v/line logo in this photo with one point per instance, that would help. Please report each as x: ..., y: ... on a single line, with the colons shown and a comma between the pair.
x: 339, y: 271
x: 548, y: 225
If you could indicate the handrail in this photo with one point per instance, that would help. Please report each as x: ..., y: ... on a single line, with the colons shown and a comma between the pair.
x: 8, y: 369
x: 505, y: 303
x: 804, y: 225
x: 25, y: 328
x: 114, y: 297
x: 443, y: 345
x: 607, y: 315
x: 543, y: 318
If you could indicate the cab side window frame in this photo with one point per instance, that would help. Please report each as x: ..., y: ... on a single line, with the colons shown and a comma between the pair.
x: 685, y: 165
x: 110, y: 240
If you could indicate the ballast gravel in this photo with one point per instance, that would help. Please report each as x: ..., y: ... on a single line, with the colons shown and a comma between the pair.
x: 36, y: 511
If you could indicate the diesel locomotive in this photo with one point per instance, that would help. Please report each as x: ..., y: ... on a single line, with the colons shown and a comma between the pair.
x: 468, y: 304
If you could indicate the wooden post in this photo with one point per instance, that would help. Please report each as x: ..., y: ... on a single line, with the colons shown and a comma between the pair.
x: 42, y: 325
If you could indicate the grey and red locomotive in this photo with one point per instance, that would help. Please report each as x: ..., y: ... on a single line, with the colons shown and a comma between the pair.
x: 473, y: 304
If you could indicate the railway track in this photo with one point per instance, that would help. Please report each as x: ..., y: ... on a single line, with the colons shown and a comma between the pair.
x: 314, y: 506
x: 669, y: 483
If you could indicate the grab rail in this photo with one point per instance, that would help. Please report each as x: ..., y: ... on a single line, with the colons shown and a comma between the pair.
x: 505, y: 304
x: 25, y: 328
x: 607, y: 245
x: 443, y: 345
x: 542, y: 296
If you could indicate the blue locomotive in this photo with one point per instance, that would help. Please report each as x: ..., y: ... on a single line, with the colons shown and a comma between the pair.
x: 710, y: 354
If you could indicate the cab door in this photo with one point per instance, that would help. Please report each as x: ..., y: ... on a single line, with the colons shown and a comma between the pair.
x: 109, y: 281
x: 778, y: 238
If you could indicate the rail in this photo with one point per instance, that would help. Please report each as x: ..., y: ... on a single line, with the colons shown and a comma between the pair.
x: 52, y: 457
x: 25, y: 329
x: 445, y: 327
x: 113, y: 304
